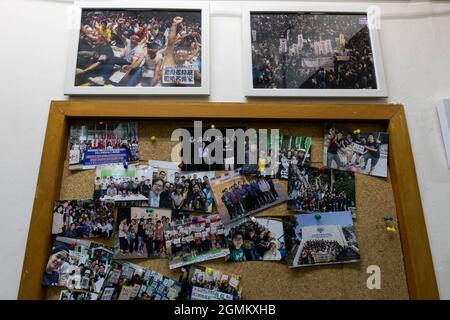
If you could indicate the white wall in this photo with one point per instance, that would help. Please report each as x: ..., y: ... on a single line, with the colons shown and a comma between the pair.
x: 33, y: 49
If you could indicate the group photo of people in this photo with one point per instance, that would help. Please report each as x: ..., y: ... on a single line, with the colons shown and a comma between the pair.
x: 127, y: 281
x: 356, y: 150
x: 255, y: 238
x: 312, y: 51
x: 77, y: 265
x: 194, y: 240
x: 320, y: 190
x: 295, y: 150
x: 140, y: 232
x: 139, y: 48
x: 83, y: 218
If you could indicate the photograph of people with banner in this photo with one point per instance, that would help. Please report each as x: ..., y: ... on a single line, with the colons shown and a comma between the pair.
x: 295, y: 150
x: 327, y: 238
x: 77, y: 295
x: 95, y: 143
x: 356, y: 150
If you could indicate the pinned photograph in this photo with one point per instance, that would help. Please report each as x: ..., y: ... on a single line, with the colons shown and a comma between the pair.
x: 181, y: 191
x: 320, y: 190
x: 77, y: 295
x: 195, y: 240
x: 237, y: 195
x: 83, y: 218
x: 295, y: 150
x: 318, y: 239
x: 256, y: 238
x: 201, y: 283
x: 103, y: 142
x: 127, y: 281
x: 77, y: 265
x: 356, y: 150
x: 126, y: 184
x: 139, y: 232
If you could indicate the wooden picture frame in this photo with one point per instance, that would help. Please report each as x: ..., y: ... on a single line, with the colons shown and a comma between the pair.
x: 413, y: 234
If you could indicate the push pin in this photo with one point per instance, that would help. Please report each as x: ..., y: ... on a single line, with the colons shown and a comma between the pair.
x: 390, y: 229
x: 387, y: 218
x: 356, y: 131
x: 195, y: 219
x: 317, y: 216
x: 213, y: 126
x: 152, y: 138
x: 149, y: 210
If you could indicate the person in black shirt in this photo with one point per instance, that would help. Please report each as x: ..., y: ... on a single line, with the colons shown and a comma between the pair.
x: 372, y: 152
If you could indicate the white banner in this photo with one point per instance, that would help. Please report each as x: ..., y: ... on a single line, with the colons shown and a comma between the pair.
x: 207, y: 294
x: 178, y: 74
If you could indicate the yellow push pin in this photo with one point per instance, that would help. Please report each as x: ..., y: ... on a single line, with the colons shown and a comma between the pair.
x: 152, y: 138
x: 390, y: 229
x: 213, y: 126
x: 356, y: 131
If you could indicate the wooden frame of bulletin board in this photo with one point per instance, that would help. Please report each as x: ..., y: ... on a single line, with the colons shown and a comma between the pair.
x: 418, y: 264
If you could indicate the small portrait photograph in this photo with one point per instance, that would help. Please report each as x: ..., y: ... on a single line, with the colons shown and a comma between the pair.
x: 237, y: 195
x: 180, y: 191
x: 202, y: 283
x: 127, y: 185
x: 294, y: 150
x: 195, y: 240
x: 77, y: 295
x: 139, y: 232
x: 320, y: 190
x: 83, y: 218
x: 256, y: 239
x: 77, y: 265
x: 127, y: 281
x: 102, y: 142
x: 356, y: 150
x: 139, y: 49
x: 311, y: 240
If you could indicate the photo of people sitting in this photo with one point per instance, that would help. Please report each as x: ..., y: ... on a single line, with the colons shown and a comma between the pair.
x: 139, y: 48
x: 295, y: 150
x: 325, y: 190
x: 77, y: 264
x: 201, y: 283
x: 312, y: 51
x: 194, y: 240
x: 356, y: 150
x: 237, y: 196
x: 95, y: 143
x: 127, y: 281
x: 139, y: 232
x: 83, y: 219
x: 255, y: 238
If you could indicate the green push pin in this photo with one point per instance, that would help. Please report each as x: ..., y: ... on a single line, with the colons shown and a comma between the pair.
x: 387, y: 218
x: 317, y: 216
x: 149, y: 210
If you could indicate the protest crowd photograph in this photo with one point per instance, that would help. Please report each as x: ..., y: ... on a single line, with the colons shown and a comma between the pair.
x: 83, y: 218
x: 311, y: 51
x: 77, y: 295
x: 295, y: 150
x: 139, y: 48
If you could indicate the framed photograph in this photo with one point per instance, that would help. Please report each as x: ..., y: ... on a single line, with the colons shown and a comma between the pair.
x: 139, y: 48
x: 312, y: 51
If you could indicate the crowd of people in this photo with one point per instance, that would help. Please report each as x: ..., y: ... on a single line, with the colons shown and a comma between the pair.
x: 139, y: 48
x: 309, y: 192
x: 295, y: 157
x: 312, y: 51
x: 251, y: 241
x: 124, y: 187
x: 320, y: 251
x: 83, y: 219
x: 250, y: 194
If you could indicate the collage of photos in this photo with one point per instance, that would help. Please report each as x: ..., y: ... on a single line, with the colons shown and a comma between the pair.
x: 139, y: 48
x: 329, y: 240
x: 181, y: 191
x: 195, y: 240
x: 237, y: 195
x: 320, y: 190
x: 83, y: 218
x: 77, y: 265
x: 103, y: 142
x: 256, y: 238
x: 127, y: 281
x: 139, y: 232
x: 357, y: 151
x: 203, y: 283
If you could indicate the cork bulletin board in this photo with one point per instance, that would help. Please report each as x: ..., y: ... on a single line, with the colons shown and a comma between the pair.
x: 394, y: 253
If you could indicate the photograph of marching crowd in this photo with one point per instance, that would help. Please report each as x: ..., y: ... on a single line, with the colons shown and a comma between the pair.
x: 328, y: 240
x: 302, y: 50
x: 103, y: 142
x: 139, y: 48
x: 83, y: 219
x: 127, y: 281
x: 356, y: 150
x: 181, y: 191
x: 195, y: 240
x: 237, y: 196
x: 139, y: 232
x: 295, y: 150
x: 201, y: 283
x: 77, y: 295
x: 325, y: 190
x: 256, y: 238
x: 77, y: 264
